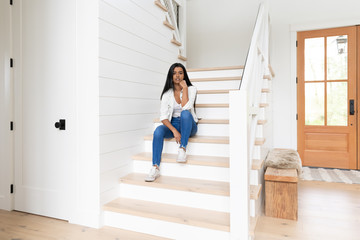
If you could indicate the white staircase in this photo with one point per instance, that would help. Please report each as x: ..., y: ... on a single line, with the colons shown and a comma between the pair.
x: 192, y: 200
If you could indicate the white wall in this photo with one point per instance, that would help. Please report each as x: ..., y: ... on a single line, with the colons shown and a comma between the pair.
x: 6, y: 87
x: 219, y: 32
x: 135, y: 54
x: 288, y: 17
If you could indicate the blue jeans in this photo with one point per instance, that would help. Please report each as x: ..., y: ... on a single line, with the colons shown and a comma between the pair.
x: 185, y: 125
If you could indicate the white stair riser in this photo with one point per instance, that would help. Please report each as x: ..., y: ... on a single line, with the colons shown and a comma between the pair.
x: 254, y: 177
x: 206, y: 149
x: 259, y: 131
x: 263, y: 98
x: 185, y: 170
x: 252, y: 208
x: 208, y: 129
x: 262, y: 114
x: 212, y: 113
x: 218, y: 73
x: 212, y: 98
x: 162, y: 228
x: 260, y: 152
x: 175, y: 197
x: 217, y: 85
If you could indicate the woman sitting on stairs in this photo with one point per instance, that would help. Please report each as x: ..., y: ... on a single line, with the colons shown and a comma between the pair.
x: 177, y: 116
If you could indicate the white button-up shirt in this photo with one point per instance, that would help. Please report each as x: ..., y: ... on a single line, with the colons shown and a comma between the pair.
x: 168, y: 102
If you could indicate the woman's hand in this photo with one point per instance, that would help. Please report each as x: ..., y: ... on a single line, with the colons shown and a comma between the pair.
x: 177, y: 136
x: 183, y: 84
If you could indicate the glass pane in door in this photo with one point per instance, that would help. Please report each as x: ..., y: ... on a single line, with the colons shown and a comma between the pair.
x: 314, y: 104
x: 337, y: 100
x: 337, y: 57
x: 314, y: 59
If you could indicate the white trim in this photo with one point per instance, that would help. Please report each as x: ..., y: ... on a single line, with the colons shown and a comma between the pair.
x: 293, y: 89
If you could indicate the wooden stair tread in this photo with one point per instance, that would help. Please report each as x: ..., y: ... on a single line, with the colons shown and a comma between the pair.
x: 181, y: 184
x: 253, y: 221
x: 259, y: 141
x: 191, y: 159
x: 181, y: 57
x: 265, y: 90
x: 159, y: 4
x: 215, y: 68
x: 261, y: 122
x: 238, y: 78
x: 174, y: 41
x: 263, y: 105
x: 212, y: 105
x: 205, y: 121
x: 166, y: 212
x: 255, y: 191
x: 222, y: 91
x: 198, y: 139
x: 257, y: 164
x: 166, y: 23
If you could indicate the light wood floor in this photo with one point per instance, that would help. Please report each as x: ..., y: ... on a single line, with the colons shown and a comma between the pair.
x: 327, y: 211
x: 23, y: 226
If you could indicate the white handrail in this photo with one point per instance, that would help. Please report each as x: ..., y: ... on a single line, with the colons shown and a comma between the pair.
x: 244, y: 108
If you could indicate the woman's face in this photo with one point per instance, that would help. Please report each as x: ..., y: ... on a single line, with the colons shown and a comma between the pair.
x: 178, y: 75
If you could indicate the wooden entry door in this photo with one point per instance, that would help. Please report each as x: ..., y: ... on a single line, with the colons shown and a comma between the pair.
x: 326, y: 68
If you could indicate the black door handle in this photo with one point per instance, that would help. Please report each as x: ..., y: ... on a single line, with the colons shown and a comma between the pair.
x: 352, y: 107
x: 60, y: 124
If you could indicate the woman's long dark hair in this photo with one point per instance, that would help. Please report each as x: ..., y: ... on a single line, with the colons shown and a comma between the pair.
x: 169, y: 79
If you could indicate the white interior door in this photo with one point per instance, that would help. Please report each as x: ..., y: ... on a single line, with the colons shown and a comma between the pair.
x: 44, y: 76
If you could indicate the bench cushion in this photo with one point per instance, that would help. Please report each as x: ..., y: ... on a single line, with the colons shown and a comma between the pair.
x: 284, y: 159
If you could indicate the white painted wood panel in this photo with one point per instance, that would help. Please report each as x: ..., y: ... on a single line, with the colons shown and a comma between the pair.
x: 121, y: 123
x: 137, y: 13
x: 118, y: 88
x: 120, y: 19
x: 123, y: 71
x: 117, y: 106
x: 117, y: 159
x: 120, y: 54
x: 110, y: 179
x: 116, y: 141
x: 149, y: 7
x: 120, y: 37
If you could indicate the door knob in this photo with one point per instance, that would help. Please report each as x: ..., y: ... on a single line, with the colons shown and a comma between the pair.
x: 60, y: 124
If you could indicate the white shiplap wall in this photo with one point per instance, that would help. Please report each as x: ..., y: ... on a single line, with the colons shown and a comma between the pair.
x: 135, y: 54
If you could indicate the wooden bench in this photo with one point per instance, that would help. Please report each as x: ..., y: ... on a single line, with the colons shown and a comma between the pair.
x: 281, y: 193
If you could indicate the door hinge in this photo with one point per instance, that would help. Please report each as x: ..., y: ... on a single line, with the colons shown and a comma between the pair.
x: 11, y: 126
x: 296, y: 43
x: 296, y: 80
x: 11, y: 62
x: 296, y: 116
x: 11, y: 188
x: 11, y: 2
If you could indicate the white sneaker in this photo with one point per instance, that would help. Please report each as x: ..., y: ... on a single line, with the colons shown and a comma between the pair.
x: 181, y: 158
x: 153, y: 174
